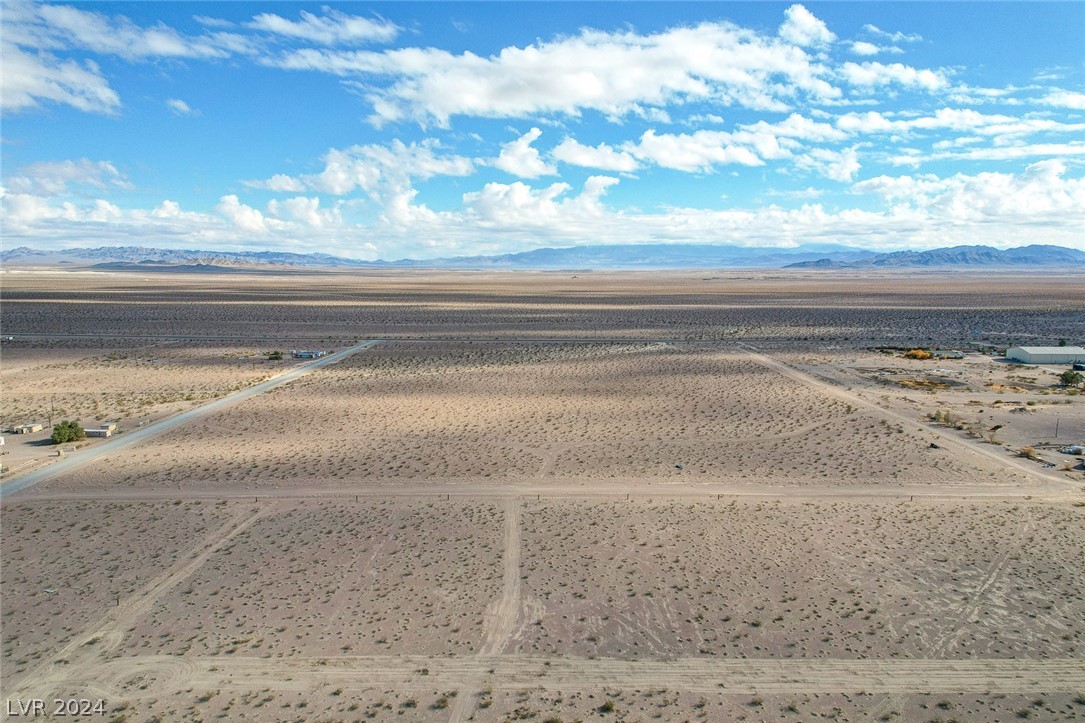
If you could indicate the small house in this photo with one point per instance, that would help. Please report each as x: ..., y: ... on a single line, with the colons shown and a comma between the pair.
x: 29, y: 428
x: 99, y: 432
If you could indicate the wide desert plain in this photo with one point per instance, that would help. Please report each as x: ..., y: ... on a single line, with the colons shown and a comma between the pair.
x: 543, y: 496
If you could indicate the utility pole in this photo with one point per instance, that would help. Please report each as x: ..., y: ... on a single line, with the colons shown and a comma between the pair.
x: 1056, y: 426
x: 51, y: 410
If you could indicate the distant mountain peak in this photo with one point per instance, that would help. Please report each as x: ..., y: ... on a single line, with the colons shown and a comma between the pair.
x: 960, y: 256
x: 616, y: 256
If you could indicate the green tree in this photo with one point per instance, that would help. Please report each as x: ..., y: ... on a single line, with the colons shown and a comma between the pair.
x: 1071, y: 378
x: 68, y: 431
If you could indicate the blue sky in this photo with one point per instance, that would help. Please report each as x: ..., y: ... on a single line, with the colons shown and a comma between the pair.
x: 391, y: 130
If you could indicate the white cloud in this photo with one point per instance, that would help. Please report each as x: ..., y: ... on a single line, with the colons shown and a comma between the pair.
x: 748, y: 145
x: 120, y: 36
x: 874, y: 75
x: 1040, y: 192
x: 333, y: 28
x: 243, y: 217
x: 602, y: 156
x: 698, y: 151
x: 920, y: 212
x: 896, y: 37
x: 179, y: 107
x: 30, y: 79
x: 840, y: 165
x: 280, y: 183
x: 56, y: 178
x: 993, y: 153
x: 861, y: 47
x: 210, y: 22
x: 167, y: 209
x: 521, y: 158
x: 1065, y: 99
x: 955, y: 119
x: 305, y: 211
x: 803, y: 29
x: 376, y: 169
x: 613, y: 73
x: 517, y: 205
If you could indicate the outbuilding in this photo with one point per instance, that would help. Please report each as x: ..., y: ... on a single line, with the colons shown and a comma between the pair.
x: 29, y: 428
x: 1046, y: 354
x: 98, y: 432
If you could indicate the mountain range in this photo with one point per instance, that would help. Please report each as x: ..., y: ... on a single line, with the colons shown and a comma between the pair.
x: 955, y: 256
x: 621, y: 256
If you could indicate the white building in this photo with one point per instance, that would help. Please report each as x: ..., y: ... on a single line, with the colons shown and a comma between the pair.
x: 1046, y: 354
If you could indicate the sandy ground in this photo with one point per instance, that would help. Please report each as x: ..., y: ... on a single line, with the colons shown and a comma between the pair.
x: 983, y: 396
x: 452, y: 531
x: 455, y: 412
x: 131, y: 387
x: 906, y: 307
x: 791, y: 579
x: 66, y: 563
x: 336, y: 578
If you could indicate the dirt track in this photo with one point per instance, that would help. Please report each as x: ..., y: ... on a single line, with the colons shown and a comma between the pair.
x: 512, y: 672
x: 88, y: 665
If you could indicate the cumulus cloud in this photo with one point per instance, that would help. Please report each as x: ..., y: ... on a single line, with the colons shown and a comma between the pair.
x: 615, y: 74
x: 305, y: 211
x: 30, y: 79
x: 802, y: 28
x: 179, y: 107
x: 518, y: 205
x: 120, y: 36
x: 243, y: 217
x: 602, y: 157
x: 376, y: 168
x: 698, y: 151
x: 874, y: 75
x: 1065, y: 99
x: 862, y: 47
x: 954, y: 119
x: 1008, y: 152
x: 836, y: 165
x: 332, y: 28
x: 1040, y: 192
x: 896, y: 36
x: 56, y: 178
x: 280, y: 183
x: 521, y: 158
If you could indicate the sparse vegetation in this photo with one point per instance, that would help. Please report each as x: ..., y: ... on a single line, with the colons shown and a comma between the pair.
x: 68, y: 431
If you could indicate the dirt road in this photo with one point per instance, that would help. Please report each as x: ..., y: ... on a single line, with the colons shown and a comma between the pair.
x: 130, y: 439
x: 517, y: 672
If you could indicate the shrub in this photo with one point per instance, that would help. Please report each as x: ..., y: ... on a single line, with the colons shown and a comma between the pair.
x: 68, y: 431
x: 1027, y: 453
x: 1071, y: 378
x: 917, y: 354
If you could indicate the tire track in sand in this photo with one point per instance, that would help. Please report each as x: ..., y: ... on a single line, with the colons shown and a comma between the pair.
x: 501, y: 622
x: 75, y: 662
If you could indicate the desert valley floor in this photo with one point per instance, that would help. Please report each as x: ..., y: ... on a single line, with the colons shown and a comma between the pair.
x: 546, y: 497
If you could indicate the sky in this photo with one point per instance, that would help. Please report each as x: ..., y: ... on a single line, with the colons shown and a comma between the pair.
x: 423, y: 130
